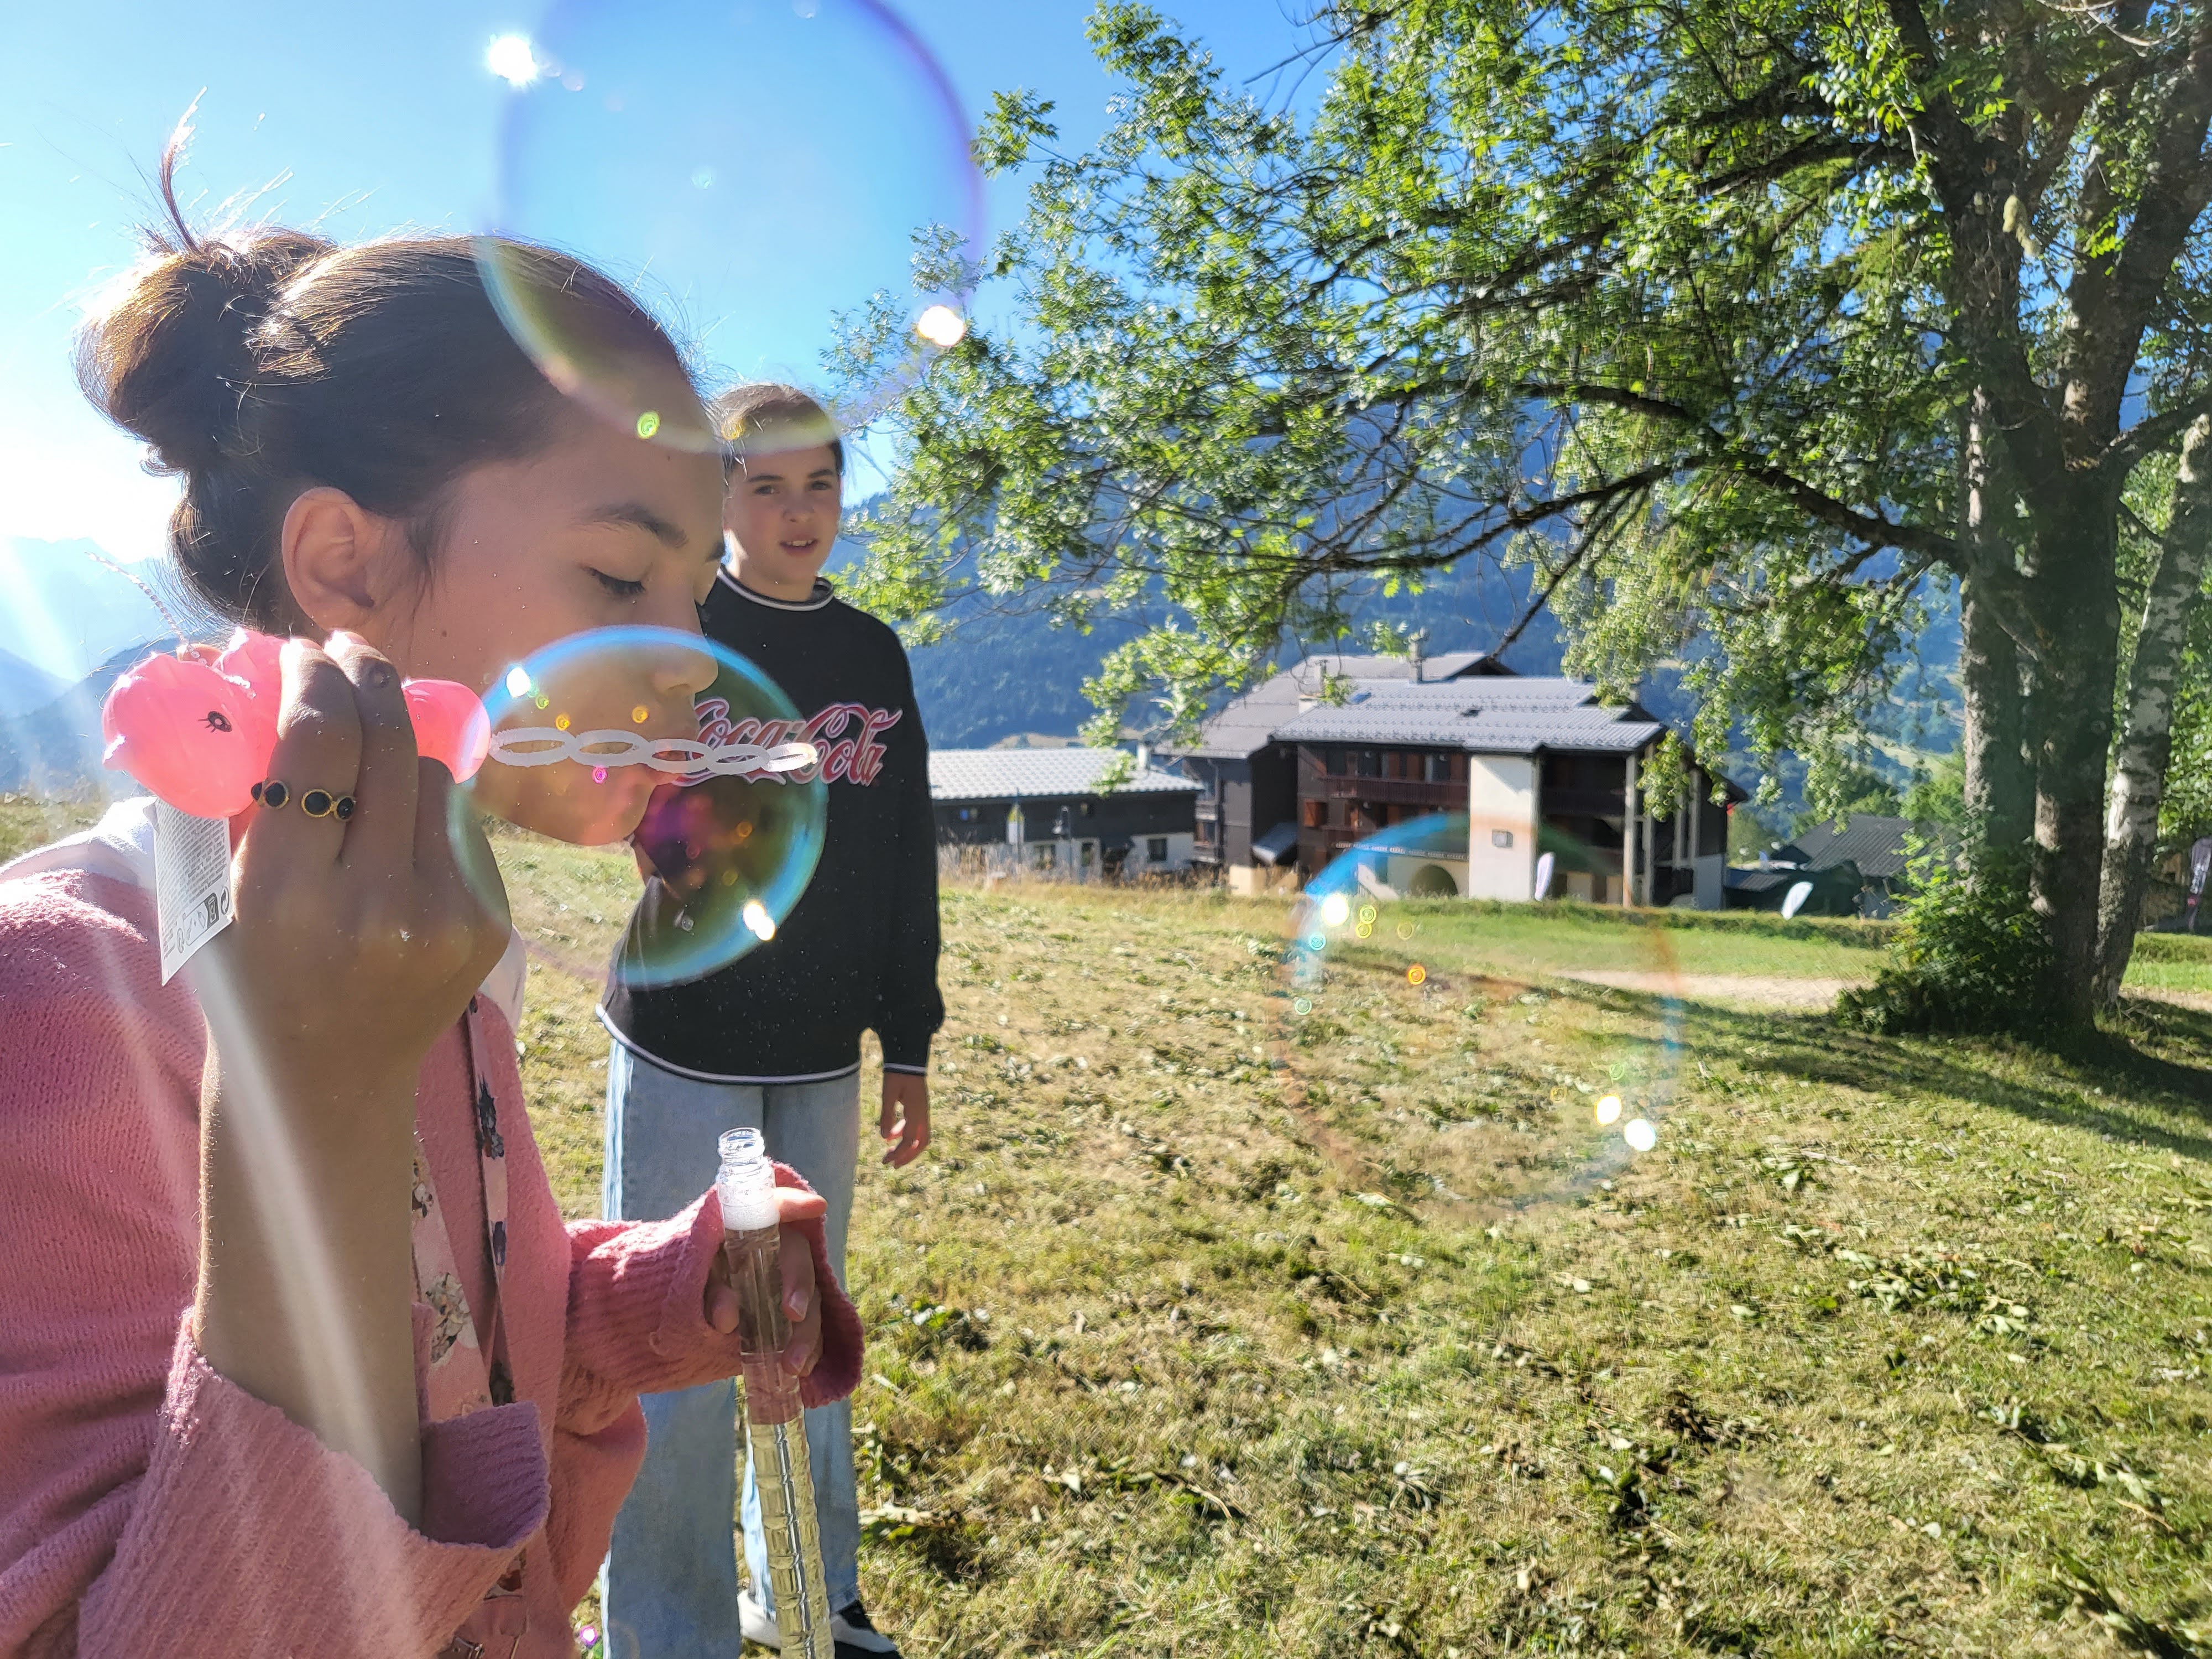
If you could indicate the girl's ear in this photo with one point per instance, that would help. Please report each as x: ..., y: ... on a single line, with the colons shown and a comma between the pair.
x: 343, y: 564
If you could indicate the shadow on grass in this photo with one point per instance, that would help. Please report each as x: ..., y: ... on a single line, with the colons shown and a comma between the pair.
x: 2146, y: 1057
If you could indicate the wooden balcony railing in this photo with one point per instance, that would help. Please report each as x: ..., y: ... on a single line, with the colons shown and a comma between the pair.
x: 1407, y: 792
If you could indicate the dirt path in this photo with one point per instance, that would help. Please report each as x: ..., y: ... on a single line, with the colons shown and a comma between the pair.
x: 1764, y: 990
x: 1771, y: 991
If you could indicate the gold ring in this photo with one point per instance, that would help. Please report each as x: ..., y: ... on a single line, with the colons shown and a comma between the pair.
x: 321, y: 803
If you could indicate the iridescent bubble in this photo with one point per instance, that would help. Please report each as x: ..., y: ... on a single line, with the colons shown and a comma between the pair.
x: 1530, y: 1103
x: 758, y: 170
x: 715, y: 791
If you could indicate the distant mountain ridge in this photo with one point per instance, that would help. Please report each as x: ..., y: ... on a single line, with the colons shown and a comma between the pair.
x: 24, y: 686
x: 55, y: 749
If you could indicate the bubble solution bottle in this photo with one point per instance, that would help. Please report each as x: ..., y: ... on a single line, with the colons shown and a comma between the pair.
x: 775, y: 1423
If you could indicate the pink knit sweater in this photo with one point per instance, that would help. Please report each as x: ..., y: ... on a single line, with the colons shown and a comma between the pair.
x: 150, y: 1507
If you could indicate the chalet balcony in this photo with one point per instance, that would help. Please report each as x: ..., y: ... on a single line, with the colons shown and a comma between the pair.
x: 1406, y: 792
x: 1582, y: 803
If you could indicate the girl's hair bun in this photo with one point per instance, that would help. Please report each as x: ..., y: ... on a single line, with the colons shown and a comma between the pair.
x: 260, y: 365
x: 174, y: 360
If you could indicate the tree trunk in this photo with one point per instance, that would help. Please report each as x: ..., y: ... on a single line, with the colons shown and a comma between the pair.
x: 2074, y: 595
x: 1999, y: 782
x: 2000, y: 787
x: 2147, y: 735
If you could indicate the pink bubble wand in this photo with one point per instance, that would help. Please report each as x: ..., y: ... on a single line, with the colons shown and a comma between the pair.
x: 198, y: 731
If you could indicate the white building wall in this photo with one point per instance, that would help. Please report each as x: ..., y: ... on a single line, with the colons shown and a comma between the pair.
x: 1179, y: 850
x: 1501, y: 826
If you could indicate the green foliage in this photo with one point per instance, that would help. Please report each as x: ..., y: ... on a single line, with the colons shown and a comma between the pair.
x: 1938, y: 795
x: 1659, y: 304
x: 1749, y: 835
x: 1971, y: 956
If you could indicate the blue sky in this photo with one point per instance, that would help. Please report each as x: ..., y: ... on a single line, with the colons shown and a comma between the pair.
x: 360, y: 120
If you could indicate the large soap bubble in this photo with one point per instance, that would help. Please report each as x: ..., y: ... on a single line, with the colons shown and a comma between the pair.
x: 1377, y: 946
x: 678, y: 747
x: 758, y: 168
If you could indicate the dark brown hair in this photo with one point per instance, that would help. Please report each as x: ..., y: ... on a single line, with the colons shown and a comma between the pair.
x: 264, y: 363
x: 764, y: 416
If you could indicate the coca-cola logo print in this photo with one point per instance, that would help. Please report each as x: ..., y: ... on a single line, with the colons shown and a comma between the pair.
x: 844, y: 734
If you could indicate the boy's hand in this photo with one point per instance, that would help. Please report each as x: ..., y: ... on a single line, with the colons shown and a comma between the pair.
x: 905, y: 1119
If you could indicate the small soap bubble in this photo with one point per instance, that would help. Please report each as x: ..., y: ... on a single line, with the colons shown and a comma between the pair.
x: 1641, y: 1134
x: 717, y: 790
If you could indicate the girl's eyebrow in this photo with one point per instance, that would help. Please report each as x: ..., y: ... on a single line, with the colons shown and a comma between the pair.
x: 637, y: 516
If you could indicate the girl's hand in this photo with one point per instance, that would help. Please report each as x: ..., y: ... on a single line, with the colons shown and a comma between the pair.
x: 800, y: 1305
x: 358, y: 942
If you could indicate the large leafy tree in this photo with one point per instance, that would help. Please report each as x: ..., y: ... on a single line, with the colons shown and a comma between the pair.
x: 1743, y: 324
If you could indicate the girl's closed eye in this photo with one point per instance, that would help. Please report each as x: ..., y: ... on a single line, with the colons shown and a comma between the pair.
x: 620, y: 586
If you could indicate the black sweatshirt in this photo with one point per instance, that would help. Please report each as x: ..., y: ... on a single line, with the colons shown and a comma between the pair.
x: 860, y: 948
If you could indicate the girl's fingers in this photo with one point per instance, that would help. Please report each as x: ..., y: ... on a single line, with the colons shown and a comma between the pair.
x: 794, y: 1204
x: 797, y: 1257
x: 381, y: 830
x: 721, y: 1307
x: 318, y: 748
x: 454, y: 863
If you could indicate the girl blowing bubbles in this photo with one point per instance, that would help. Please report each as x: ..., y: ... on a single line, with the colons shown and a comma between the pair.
x: 299, y: 1356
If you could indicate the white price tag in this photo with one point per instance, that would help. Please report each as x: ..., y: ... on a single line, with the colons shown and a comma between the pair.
x: 192, y: 882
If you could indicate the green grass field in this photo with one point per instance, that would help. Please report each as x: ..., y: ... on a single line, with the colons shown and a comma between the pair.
x: 1212, y: 1326
x: 1230, y: 1316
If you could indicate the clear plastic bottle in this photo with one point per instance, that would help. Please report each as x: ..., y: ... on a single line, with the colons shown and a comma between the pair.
x: 775, y: 1423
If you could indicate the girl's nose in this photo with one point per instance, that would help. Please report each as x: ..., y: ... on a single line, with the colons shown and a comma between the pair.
x: 683, y: 670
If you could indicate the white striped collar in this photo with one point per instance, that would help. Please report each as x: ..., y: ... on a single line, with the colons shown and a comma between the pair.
x: 822, y: 595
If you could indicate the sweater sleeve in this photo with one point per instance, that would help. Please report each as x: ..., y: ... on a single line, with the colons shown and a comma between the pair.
x: 637, y: 1293
x: 249, y: 1535
x: 908, y: 1007
x: 148, y: 1504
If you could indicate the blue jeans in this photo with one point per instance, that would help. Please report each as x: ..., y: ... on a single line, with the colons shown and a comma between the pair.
x: 671, y: 1581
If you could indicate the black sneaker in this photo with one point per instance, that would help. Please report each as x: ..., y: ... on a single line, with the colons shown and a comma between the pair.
x: 850, y: 1629
x: 856, y: 1635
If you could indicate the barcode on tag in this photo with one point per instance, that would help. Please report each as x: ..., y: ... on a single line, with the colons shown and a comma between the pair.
x: 192, y: 882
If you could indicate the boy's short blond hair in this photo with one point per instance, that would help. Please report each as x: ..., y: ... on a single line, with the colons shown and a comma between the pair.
x: 765, y: 417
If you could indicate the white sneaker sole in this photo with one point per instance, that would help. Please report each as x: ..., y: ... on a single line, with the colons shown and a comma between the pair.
x: 753, y: 1620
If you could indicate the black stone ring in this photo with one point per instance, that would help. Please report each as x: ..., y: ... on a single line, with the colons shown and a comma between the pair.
x: 315, y: 803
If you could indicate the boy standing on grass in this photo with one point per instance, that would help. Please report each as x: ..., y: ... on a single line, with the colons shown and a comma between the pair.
x: 772, y: 1041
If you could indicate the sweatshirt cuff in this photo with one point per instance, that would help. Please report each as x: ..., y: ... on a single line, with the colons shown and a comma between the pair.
x: 246, y: 1521
x: 905, y: 1050
x: 637, y: 1307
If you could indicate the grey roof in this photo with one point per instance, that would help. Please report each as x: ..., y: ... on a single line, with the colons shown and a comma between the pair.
x: 1278, y: 843
x: 1012, y: 774
x: 1501, y: 716
x: 1875, y: 844
x: 1247, y: 725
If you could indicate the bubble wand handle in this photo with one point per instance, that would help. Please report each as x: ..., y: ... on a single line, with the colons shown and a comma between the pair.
x: 775, y: 1423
